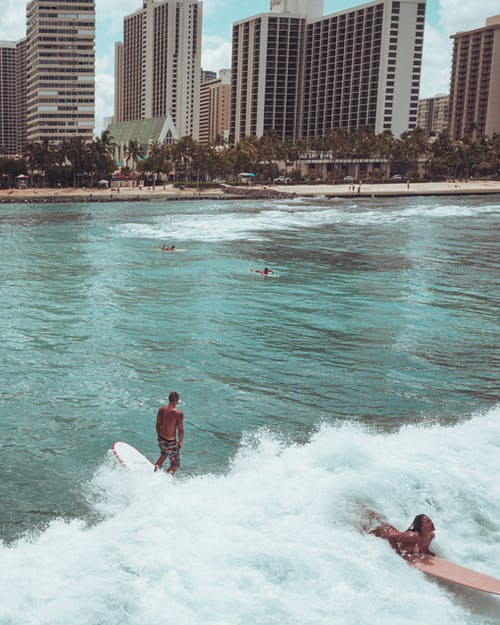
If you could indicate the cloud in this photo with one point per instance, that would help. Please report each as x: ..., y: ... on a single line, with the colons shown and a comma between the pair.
x: 436, y: 62
x: 216, y: 53
x: 12, y: 20
x: 104, y: 99
x: 456, y: 15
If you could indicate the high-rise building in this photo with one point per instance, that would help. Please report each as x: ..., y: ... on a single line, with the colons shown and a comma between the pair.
x: 215, y: 104
x: 266, y: 75
x: 8, y: 110
x: 12, y: 97
x: 301, y: 73
x: 207, y: 74
x: 118, y: 114
x: 475, y: 81
x: 21, y: 92
x: 433, y: 114
x: 159, y: 68
x: 60, y: 70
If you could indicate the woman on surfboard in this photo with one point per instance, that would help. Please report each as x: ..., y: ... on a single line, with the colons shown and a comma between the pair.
x: 414, y: 541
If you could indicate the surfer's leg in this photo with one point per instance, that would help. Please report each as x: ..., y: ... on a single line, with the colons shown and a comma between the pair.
x: 174, y: 457
x: 160, y: 461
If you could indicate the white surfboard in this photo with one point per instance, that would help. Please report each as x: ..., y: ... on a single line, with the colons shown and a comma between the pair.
x: 130, y: 457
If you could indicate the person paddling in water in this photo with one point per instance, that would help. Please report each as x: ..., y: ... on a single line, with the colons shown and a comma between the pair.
x: 414, y: 541
x: 264, y: 272
x: 167, y: 249
x: 170, y: 430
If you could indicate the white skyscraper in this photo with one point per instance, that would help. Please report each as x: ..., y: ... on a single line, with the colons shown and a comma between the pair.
x: 301, y: 73
x: 158, y: 69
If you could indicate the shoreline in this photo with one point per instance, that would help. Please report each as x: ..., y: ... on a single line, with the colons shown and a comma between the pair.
x: 323, y: 191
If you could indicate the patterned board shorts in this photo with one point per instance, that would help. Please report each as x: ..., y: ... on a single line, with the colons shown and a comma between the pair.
x: 171, y: 450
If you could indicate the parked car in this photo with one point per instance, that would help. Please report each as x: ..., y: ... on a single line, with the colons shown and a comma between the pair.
x: 349, y: 179
x: 282, y: 180
x: 396, y: 178
x: 218, y: 180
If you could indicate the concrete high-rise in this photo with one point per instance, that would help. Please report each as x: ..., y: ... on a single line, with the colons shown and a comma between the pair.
x: 301, y: 73
x: 159, y: 68
x: 475, y: 81
x: 267, y: 58
x: 215, y: 104
x: 12, y: 97
x: 8, y: 109
x: 60, y: 70
x: 433, y: 114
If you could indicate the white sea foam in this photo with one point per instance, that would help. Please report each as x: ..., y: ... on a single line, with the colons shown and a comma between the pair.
x: 280, y: 216
x: 274, y: 540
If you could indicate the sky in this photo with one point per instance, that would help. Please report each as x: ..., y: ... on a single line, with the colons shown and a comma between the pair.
x: 444, y: 18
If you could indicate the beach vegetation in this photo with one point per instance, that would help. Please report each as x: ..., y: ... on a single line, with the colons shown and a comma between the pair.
x: 339, y: 155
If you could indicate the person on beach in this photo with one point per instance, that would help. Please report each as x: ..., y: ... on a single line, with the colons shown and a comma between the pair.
x: 170, y: 431
x: 412, y: 542
x: 264, y: 272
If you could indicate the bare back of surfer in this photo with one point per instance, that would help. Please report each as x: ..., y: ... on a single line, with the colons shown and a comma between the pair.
x: 414, y: 541
x: 170, y: 431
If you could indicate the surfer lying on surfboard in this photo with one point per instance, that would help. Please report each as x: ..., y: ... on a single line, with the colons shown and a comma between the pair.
x: 167, y: 249
x: 263, y: 272
x: 412, y: 542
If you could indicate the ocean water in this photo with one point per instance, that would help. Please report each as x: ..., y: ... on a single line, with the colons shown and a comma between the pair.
x: 362, y: 375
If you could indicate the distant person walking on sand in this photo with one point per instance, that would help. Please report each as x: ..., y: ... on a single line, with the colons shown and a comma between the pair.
x: 170, y: 431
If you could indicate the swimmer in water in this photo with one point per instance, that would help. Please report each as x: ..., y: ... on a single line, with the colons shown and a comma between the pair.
x: 263, y: 272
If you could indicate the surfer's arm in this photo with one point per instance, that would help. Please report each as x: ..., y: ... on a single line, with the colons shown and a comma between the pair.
x: 180, y: 429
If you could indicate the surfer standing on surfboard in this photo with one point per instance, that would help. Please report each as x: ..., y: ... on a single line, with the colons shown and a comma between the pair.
x: 414, y: 541
x: 170, y: 430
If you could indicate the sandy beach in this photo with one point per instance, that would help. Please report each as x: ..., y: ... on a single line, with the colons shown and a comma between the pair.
x: 169, y: 192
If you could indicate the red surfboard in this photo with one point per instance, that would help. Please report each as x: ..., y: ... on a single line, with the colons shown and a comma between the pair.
x: 438, y: 567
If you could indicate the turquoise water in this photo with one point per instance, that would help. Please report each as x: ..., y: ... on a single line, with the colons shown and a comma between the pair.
x: 364, y: 372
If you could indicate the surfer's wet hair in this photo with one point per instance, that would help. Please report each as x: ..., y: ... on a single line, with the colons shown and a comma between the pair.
x: 173, y: 397
x: 417, y: 524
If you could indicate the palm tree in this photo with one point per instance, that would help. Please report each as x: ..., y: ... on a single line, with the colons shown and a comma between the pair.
x: 40, y: 158
x: 134, y: 151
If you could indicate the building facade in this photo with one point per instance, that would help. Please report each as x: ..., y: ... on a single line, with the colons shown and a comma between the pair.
x: 12, y: 97
x: 301, y: 73
x: 60, y: 70
x: 8, y: 108
x: 267, y: 53
x: 432, y: 114
x: 158, y: 68
x: 215, y: 108
x: 475, y: 81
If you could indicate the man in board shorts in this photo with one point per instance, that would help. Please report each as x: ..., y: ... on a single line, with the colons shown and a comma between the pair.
x: 170, y: 431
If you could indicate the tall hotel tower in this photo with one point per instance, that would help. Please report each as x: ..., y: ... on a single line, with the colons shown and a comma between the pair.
x: 60, y: 70
x: 8, y: 109
x: 158, y: 67
x: 302, y: 73
x: 475, y: 81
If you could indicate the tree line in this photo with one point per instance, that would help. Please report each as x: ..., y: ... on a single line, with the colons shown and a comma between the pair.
x: 76, y: 163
